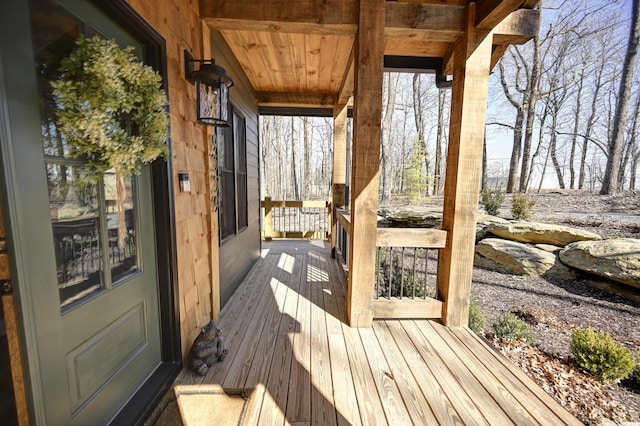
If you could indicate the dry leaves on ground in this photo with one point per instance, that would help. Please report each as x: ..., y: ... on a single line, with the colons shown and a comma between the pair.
x: 580, y: 393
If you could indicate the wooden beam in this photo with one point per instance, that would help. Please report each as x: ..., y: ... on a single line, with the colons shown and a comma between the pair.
x: 338, y: 17
x: 367, y: 116
x: 490, y: 13
x: 517, y: 28
x: 339, y: 168
x: 346, y: 86
x: 472, y: 59
x: 427, y: 22
x: 295, y: 99
x: 407, y: 308
x: 411, y: 237
x: 496, y: 54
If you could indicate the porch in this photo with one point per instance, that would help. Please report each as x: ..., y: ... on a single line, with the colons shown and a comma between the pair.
x: 292, y: 354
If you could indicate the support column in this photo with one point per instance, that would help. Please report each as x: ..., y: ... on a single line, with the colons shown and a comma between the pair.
x: 367, y: 115
x: 339, y: 168
x: 472, y: 58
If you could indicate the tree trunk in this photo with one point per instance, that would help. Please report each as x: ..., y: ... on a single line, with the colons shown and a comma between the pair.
x: 634, y: 170
x: 610, y: 183
x: 531, y: 99
x: 536, y: 154
x: 437, y: 181
x: 485, y: 179
x: 552, y: 150
x: 386, y: 140
x: 296, y: 187
x: 574, y: 137
x: 306, y: 178
x: 516, y: 151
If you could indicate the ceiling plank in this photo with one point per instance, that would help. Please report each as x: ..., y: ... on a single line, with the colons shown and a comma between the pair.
x: 294, y: 99
x: 491, y: 12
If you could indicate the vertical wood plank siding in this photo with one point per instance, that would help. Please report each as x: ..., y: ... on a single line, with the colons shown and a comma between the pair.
x: 178, y: 22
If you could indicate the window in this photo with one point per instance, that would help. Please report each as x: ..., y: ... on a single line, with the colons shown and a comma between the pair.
x: 232, y: 174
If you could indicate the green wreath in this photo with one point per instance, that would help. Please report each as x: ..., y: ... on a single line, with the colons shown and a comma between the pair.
x: 110, y: 108
x: 111, y: 112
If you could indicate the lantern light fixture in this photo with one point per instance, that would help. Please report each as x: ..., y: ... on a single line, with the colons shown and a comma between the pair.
x: 212, y: 90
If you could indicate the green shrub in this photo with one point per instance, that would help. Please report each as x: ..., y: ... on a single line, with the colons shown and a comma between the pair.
x: 597, y: 353
x: 492, y: 200
x: 635, y: 374
x: 508, y: 326
x: 477, y: 321
x: 522, y: 207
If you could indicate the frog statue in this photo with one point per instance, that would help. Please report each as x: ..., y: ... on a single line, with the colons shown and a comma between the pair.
x: 207, y: 349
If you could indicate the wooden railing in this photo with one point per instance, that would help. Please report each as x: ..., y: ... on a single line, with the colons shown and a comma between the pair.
x: 406, y: 269
x: 342, y: 241
x: 296, y: 219
x: 406, y: 273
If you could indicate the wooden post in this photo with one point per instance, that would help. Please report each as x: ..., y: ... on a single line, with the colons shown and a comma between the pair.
x: 367, y: 114
x: 339, y: 168
x: 268, y: 225
x: 472, y: 58
x: 13, y: 337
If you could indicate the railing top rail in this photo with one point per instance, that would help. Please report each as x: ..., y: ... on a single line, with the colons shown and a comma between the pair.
x: 411, y: 237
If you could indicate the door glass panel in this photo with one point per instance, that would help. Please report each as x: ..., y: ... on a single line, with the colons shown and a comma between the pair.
x: 121, y: 226
x: 94, y: 225
x: 75, y: 219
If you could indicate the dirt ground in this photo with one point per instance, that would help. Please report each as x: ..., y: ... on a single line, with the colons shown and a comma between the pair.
x: 556, y: 307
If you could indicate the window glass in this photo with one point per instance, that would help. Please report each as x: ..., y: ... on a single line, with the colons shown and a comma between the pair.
x: 93, y: 224
x: 241, y: 184
x: 75, y: 221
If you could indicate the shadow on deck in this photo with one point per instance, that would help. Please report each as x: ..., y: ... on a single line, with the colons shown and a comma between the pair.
x: 294, y: 360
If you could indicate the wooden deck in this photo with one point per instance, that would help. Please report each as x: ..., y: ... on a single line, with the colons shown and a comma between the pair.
x: 291, y: 350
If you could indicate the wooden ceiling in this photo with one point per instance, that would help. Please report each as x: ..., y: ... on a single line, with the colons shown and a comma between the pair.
x: 298, y: 54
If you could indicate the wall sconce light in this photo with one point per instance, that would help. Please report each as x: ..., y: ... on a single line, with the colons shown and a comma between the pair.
x: 212, y: 90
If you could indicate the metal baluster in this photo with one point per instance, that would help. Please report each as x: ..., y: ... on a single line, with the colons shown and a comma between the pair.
x: 426, y: 264
x: 415, y: 258
x: 389, y: 254
x: 377, y: 272
x: 402, y: 273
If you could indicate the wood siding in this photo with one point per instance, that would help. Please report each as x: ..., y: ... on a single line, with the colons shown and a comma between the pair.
x: 179, y: 24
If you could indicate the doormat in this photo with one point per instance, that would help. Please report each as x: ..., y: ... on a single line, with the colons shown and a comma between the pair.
x: 203, y: 405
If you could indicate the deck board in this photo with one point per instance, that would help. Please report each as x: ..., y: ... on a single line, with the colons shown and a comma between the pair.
x: 291, y: 350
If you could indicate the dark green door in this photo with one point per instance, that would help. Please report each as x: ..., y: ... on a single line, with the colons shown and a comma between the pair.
x: 90, y: 271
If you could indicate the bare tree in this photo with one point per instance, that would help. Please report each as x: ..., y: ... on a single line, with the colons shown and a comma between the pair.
x: 610, y: 183
x: 437, y: 181
x: 387, y: 172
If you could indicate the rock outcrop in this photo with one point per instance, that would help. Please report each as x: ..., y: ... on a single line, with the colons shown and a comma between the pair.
x: 540, y: 233
x: 513, y: 257
x: 617, y: 259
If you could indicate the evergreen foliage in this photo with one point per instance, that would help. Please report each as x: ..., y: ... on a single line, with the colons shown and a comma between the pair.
x: 509, y: 327
x: 416, y: 179
x: 492, y: 200
x: 522, y: 207
x: 597, y: 353
x: 477, y: 321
